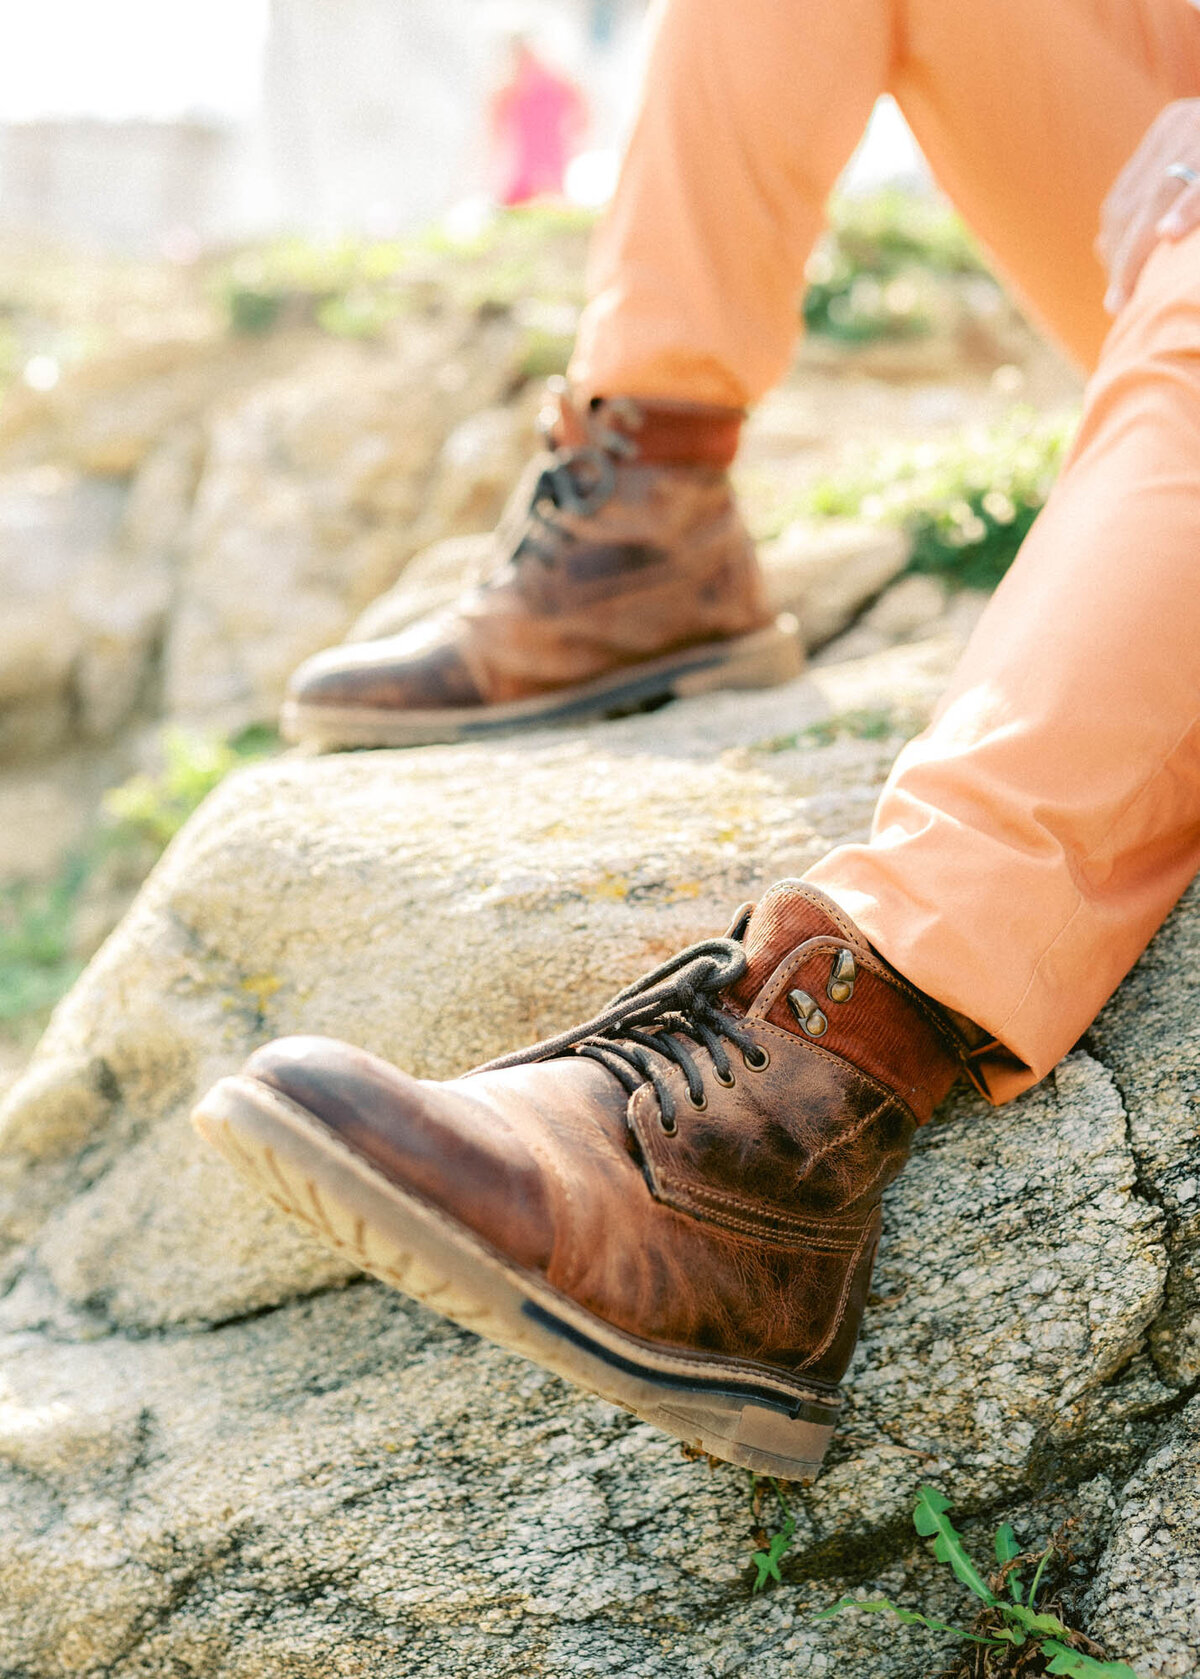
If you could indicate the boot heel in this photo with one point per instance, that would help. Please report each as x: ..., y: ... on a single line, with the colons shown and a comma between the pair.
x: 765, y: 659
x: 758, y: 1437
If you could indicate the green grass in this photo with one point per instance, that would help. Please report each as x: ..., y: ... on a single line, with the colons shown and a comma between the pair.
x: 878, y: 271
x: 38, y: 961
x: 354, y: 287
x: 866, y: 723
x: 967, y: 503
x: 154, y: 807
x: 874, y: 275
x: 1020, y: 1629
x: 544, y: 353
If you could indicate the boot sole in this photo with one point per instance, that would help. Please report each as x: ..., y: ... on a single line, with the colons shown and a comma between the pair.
x: 764, y: 659
x: 742, y: 1412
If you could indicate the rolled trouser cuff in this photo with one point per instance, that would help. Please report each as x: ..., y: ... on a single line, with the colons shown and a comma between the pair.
x: 659, y: 433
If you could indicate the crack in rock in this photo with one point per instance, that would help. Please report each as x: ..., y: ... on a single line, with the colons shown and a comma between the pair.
x: 215, y: 1457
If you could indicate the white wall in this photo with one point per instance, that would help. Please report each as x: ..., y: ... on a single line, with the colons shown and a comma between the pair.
x: 128, y: 186
x: 374, y: 111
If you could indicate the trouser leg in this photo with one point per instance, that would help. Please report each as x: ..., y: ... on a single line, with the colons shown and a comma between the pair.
x: 750, y: 112
x: 1025, y: 110
x: 1029, y: 843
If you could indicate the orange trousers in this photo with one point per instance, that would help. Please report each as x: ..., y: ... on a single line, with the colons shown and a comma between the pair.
x: 1029, y: 843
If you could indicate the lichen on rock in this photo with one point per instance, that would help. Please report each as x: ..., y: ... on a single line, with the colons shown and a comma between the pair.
x: 222, y: 1453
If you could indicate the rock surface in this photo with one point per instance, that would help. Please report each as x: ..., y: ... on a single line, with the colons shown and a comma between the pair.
x: 200, y: 495
x: 71, y: 609
x: 223, y: 1455
x: 182, y: 524
x: 318, y: 482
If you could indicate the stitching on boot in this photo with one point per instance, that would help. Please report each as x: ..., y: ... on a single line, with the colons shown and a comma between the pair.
x: 870, y: 1231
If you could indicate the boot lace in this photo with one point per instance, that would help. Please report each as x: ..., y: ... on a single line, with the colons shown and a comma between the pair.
x: 645, y: 1025
x: 574, y: 481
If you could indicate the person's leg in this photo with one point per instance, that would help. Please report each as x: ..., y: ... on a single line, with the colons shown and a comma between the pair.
x: 1030, y: 842
x: 623, y: 573
x: 749, y: 114
x: 676, y: 1204
x: 645, y: 580
x: 1027, y: 112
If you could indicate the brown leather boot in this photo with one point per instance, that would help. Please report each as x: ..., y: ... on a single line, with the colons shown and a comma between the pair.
x: 620, y: 576
x: 675, y: 1205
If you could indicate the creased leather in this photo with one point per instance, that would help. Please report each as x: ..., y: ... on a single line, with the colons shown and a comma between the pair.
x: 420, y: 668
x: 691, y: 577
x: 664, y: 564
x: 747, y: 1232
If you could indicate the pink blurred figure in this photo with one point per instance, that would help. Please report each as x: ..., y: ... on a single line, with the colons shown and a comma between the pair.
x: 537, y: 119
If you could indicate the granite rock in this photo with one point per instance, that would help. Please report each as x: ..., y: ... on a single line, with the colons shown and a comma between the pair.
x: 310, y: 502
x: 224, y: 1454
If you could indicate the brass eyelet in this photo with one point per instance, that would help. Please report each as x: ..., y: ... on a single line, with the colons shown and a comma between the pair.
x: 729, y: 1081
x: 701, y: 1104
x: 812, y: 1020
x: 841, y: 979
x: 669, y: 1126
x: 761, y: 1058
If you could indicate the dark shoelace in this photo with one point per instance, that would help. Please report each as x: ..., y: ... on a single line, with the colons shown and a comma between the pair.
x: 675, y: 1000
x: 577, y: 481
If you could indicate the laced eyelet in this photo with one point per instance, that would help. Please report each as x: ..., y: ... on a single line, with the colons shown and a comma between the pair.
x: 757, y: 1058
x: 728, y: 1081
x: 701, y: 1104
x: 669, y: 1126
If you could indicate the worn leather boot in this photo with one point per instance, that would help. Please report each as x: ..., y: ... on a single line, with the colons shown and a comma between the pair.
x: 675, y: 1205
x: 621, y: 575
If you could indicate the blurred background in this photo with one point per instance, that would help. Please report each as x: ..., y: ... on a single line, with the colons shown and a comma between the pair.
x: 161, y: 128
x: 150, y: 128
x: 280, y: 285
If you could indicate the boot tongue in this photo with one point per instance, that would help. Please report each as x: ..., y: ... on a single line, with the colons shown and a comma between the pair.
x: 790, y: 913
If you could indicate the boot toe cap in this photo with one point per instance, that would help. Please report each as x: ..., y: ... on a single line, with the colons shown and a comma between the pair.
x: 411, y: 672
x: 334, y: 1081
x: 429, y: 1140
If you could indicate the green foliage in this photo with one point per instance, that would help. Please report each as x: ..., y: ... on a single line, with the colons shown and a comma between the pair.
x: 297, y: 282
x: 907, y: 1617
x: 767, y: 1562
x: 155, y: 807
x: 877, y: 274
x: 1076, y: 1665
x: 36, y: 963
x: 544, y: 354
x: 1007, y: 1549
x: 251, y: 311
x: 1002, y: 1626
x: 932, y: 1522
x: 966, y: 504
x: 355, y: 287
x: 357, y: 313
x: 895, y: 226
x: 877, y: 271
x: 864, y: 723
